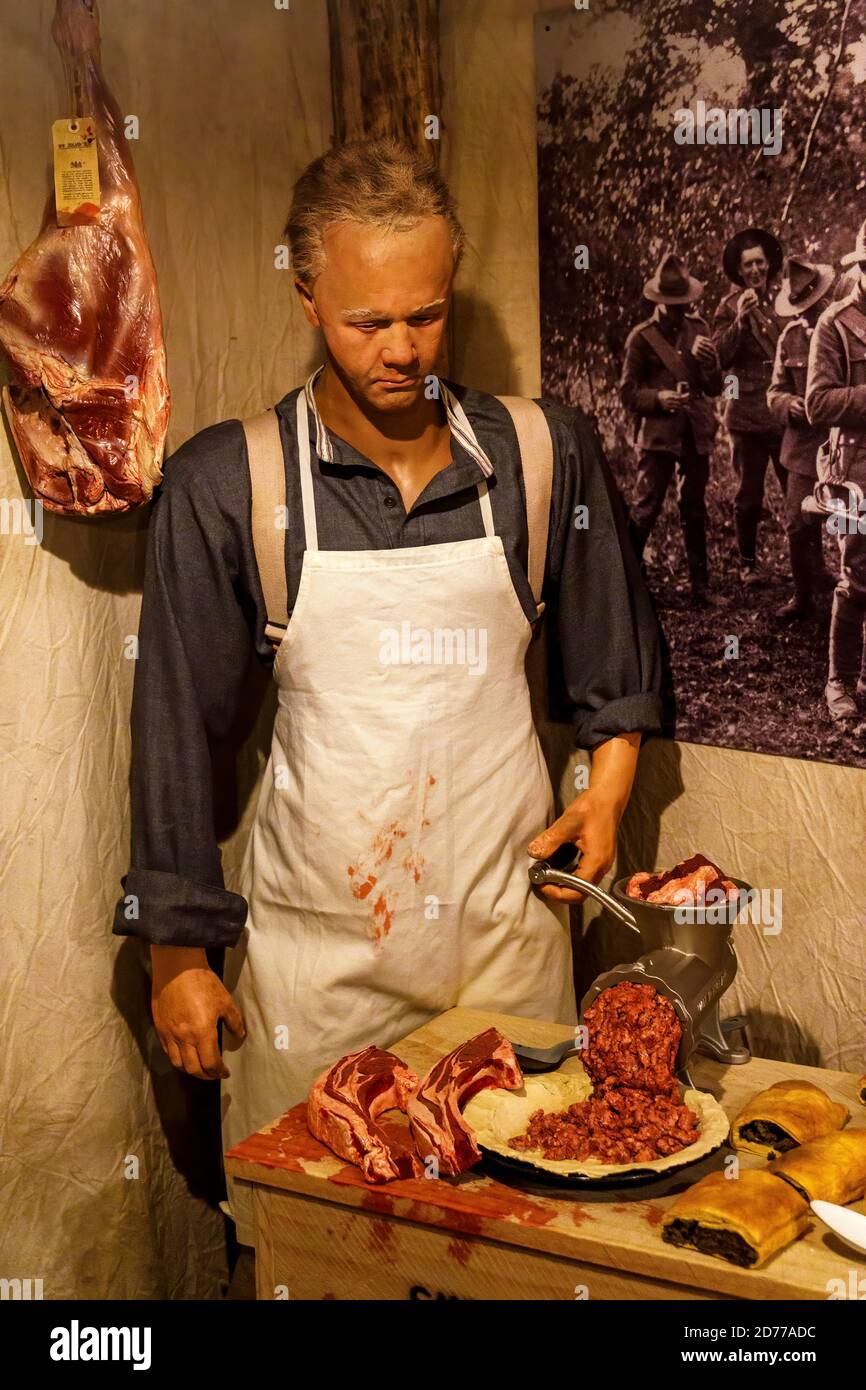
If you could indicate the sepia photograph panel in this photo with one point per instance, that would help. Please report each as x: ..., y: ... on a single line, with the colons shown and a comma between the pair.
x: 703, y: 299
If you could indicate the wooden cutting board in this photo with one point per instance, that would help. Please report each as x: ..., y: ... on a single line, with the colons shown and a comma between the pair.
x: 322, y: 1231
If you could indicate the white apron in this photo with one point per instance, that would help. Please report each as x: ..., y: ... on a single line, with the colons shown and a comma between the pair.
x: 386, y: 870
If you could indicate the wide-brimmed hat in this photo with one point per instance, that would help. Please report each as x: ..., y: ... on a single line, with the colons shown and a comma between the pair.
x: 672, y: 283
x: 771, y: 246
x: 859, y: 252
x: 803, y: 284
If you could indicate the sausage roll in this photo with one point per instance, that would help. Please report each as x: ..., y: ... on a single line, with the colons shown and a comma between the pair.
x: 829, y: 1169
x: 744, y: 1220
x: 785, y: 1115
x: 861, y: 1090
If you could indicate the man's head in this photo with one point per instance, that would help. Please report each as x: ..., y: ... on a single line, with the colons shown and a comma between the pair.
x: 806, y: 287
x: 672, y: 288
x: 752, y: 258
x: 375, y: 242
x: 754, y: 266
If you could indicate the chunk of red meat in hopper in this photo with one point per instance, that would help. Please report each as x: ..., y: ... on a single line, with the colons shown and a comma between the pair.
x: 690, y: 881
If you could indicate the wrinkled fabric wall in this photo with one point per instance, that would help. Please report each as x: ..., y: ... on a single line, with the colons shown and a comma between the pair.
x: 775, y: 822
x: 109, y: 1160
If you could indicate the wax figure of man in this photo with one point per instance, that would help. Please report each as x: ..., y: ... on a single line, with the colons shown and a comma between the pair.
x: 746, y: 330
x: 385, y: 879
x: 805, y: 293
x: 836, y: 400
x: 670, y: 372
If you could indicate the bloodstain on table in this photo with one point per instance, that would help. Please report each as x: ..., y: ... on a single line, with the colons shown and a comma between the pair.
x: 468, y: 1199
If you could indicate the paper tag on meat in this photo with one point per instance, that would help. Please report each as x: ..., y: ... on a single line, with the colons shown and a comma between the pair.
x: 76, y: 171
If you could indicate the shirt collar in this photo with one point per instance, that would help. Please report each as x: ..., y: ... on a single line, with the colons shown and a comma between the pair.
x: 458, y: 423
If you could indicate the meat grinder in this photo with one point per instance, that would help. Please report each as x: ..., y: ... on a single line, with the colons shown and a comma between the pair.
x: 686, y: 953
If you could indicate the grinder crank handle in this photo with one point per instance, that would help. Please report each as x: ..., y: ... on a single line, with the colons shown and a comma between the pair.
x: 541, y: 874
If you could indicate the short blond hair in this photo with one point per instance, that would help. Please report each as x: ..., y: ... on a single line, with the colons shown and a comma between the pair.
x: 376, y: 182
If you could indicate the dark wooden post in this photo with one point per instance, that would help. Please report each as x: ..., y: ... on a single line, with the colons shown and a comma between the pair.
x: 385, y: 79
x: 385, y: 69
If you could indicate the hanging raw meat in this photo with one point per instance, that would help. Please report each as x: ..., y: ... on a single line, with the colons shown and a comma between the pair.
x: 81, y: 324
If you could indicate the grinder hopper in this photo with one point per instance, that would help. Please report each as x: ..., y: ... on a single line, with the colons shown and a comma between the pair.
x: 686, y: 953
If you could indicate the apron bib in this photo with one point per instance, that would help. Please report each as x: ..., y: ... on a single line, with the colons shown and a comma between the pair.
x: 386, y: 871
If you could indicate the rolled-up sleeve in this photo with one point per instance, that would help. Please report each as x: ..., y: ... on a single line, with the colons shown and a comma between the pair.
x: 194, y: 647
x: 606, y: 631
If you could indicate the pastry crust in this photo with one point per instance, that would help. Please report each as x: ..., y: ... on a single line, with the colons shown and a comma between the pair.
x: 829, y: 1169
x: 861, y: 1090
x: 744, y: 1220
x: 497, y: 1116
x: 785, y: 1115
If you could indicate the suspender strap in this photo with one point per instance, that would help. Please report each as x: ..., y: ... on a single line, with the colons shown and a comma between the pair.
x: 268, y: 486
x: 666, y: 353
x: 536, y: 460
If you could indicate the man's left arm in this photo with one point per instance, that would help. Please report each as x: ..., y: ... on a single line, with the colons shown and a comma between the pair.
x: 608, y: 645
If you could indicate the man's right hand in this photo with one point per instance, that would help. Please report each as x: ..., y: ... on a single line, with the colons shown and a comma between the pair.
x: 747, y: 300
x: 672, y: 402
x: 187, y: 1001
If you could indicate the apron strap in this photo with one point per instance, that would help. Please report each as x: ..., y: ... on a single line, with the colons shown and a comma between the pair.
x: 486, y: 509
x: 536, y: 459
x: 268, y: 486
x: 311, y: 531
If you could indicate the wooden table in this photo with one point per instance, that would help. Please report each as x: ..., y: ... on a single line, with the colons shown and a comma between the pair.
x: 323, y: 1232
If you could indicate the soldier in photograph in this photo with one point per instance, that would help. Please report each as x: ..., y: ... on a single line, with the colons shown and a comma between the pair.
x: 746, y: 330
x: 805, y: 293
x: 670, y: 372
x: 836, y: 400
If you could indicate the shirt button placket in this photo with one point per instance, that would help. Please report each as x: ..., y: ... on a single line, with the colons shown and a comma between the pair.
x: 389, y: 507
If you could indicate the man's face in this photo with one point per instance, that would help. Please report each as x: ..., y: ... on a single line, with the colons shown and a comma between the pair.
x: 382, y: 304
x: 753, y: 268
x: 675, y: 312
